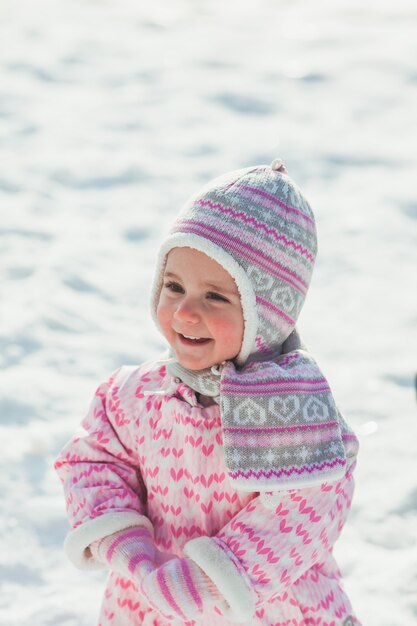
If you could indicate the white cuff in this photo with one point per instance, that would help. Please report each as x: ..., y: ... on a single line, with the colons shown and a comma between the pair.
x: 77, y: 541
x: 214, y: 561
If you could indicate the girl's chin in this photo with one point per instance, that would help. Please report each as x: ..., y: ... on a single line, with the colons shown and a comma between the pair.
x: 195, y: 367
x: 194, y: 364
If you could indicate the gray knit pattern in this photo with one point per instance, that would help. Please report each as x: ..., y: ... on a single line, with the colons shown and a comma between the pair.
x: 259, y: 217
x: 281, y: 426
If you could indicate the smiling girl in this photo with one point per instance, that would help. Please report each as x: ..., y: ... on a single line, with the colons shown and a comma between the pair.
x: 199, y: 310
x: 213, y: 482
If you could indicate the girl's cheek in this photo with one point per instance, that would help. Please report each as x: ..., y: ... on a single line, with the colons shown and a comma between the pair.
x: 162, y: 313
x: 227, y: 328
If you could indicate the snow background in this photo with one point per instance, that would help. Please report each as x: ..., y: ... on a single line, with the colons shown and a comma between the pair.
x: 111, y: 114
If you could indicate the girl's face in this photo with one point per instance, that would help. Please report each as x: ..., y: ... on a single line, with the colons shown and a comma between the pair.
x: 199, y: 310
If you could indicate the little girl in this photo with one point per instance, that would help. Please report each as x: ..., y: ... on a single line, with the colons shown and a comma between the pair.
x: 214, y: 482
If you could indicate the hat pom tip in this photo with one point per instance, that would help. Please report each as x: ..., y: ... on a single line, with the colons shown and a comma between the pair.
x: 277, y: 165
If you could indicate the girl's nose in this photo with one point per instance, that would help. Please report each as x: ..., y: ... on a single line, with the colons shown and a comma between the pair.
x: 187, y: 310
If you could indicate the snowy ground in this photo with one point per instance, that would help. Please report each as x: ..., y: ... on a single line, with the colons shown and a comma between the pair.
x: 111, y: 114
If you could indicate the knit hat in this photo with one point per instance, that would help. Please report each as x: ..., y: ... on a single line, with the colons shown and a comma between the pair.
x: 257, y: 224
x: 281, y: 427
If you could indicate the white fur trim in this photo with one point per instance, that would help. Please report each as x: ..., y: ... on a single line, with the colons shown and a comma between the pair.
x: 222, y: 571
x: 247, y: 295
x: 77, y: 541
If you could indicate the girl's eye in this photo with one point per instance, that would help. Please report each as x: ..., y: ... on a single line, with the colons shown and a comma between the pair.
x: 216, y: 296
x: 175, y: 287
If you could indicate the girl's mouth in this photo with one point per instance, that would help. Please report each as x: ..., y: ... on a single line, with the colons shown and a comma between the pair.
x: 193, y: 341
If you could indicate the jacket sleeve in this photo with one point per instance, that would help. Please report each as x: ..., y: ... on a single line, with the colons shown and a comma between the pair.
x: 272, y: 542
x: 99, y: 471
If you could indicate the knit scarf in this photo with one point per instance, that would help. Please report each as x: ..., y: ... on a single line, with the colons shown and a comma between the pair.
x: 281, y: 427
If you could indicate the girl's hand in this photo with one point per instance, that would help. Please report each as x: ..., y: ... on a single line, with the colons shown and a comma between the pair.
x: 180, y: 589
x: 130, y: 552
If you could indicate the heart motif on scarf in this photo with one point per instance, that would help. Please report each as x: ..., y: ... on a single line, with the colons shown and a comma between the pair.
x: 283, y: 406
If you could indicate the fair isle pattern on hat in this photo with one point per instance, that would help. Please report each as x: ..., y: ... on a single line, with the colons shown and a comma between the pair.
x: 257, y: 224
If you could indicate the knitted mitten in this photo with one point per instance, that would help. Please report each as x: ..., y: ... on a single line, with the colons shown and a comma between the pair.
x: 130, y: 552
x: 180, y: 589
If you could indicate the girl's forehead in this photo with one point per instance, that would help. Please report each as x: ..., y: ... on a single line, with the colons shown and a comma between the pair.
x: 178, y: 253
x: 191, y: 258
x: 191, y: 262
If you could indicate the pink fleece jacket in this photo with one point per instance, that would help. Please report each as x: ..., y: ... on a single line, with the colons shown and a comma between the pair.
x: 152, y: 456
